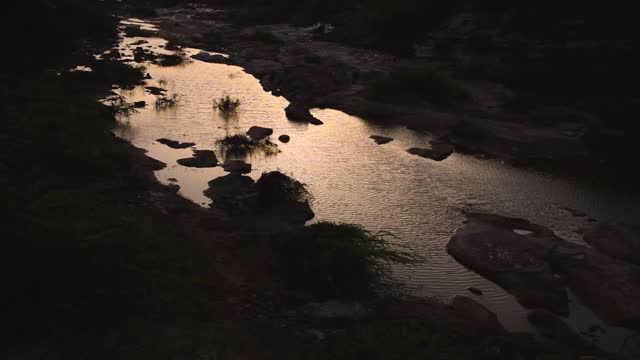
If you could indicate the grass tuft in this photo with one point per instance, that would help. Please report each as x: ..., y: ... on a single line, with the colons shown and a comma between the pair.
x: 167, y: 102
x: 226, y: 104
x: 332, y: 260
x: 242, y: 145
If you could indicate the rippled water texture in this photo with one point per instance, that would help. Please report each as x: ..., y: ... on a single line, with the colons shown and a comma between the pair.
x: 355, y: 180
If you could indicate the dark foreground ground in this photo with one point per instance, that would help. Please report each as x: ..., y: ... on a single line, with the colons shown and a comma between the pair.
x: 101, y: 261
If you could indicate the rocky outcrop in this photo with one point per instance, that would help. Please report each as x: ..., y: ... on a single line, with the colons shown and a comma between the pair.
x: 210, y: 58
x: 617, y: 240
x: 520, y: 256
x: 175, y: 144
x: 259, y: 133
x: 480, y: 319
x: 438, y: 151
x: 381, y: 140
x: 200, y: 159
x: 492, y: 246
x: 300, y: 113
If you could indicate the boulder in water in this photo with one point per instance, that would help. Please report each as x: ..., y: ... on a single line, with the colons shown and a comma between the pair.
x: 259, y: 133
x: 300, y: 113
x: 200, y: 159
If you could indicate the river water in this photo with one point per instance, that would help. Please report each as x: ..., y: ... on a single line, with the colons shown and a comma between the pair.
x: 381, y: 187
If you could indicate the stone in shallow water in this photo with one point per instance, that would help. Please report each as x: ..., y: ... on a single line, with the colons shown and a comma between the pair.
x: 210, y: 58
x: 438, y: 152
x: 284, y: 138
x: 236, y: 167
x: 300, y: 113
x: 200, y: 159
x: 381, y: 140
x: 175, y: 144
x: 259, y: 133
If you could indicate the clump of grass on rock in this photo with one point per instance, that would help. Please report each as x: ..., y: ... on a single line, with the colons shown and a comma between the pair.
x: 275, y: 187
x: 330, y: 260
x: 241, y: 144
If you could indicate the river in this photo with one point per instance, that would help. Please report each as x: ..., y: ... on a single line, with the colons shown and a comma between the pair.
x: 381, y: 187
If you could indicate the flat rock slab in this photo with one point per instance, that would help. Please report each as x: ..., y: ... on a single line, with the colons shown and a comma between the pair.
x: 489, y: 245
x: 259, y: 133
x: 608, y: 286
x: 617, y: 240
x: 381, y: 140
x: 300, y: 113
x: 230, y: 188
x: 175, y: 144
x: 200, y: 159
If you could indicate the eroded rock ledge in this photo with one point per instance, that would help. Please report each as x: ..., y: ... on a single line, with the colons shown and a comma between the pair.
x: 537, y: 267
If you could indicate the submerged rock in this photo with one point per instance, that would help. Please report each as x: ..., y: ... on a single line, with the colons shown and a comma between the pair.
x: 617, y: 240
x: 154, y: 90
x: 236, y: 167
x: 175, y: 144
x: 300, y: 113
x: 284, y: 138
x: 489, y: 245
x: 438, y: 152
x: 381, y: 140
x: 200, y: 159
x: 259, y: 133
x: 480, y: 318
x: 210, y: 58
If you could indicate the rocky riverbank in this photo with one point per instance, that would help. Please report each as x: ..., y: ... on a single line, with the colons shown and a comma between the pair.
x: 300, y: 65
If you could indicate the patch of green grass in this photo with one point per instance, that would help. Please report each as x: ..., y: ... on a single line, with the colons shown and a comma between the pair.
x: 411, y: 85
x: 332, y: 260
